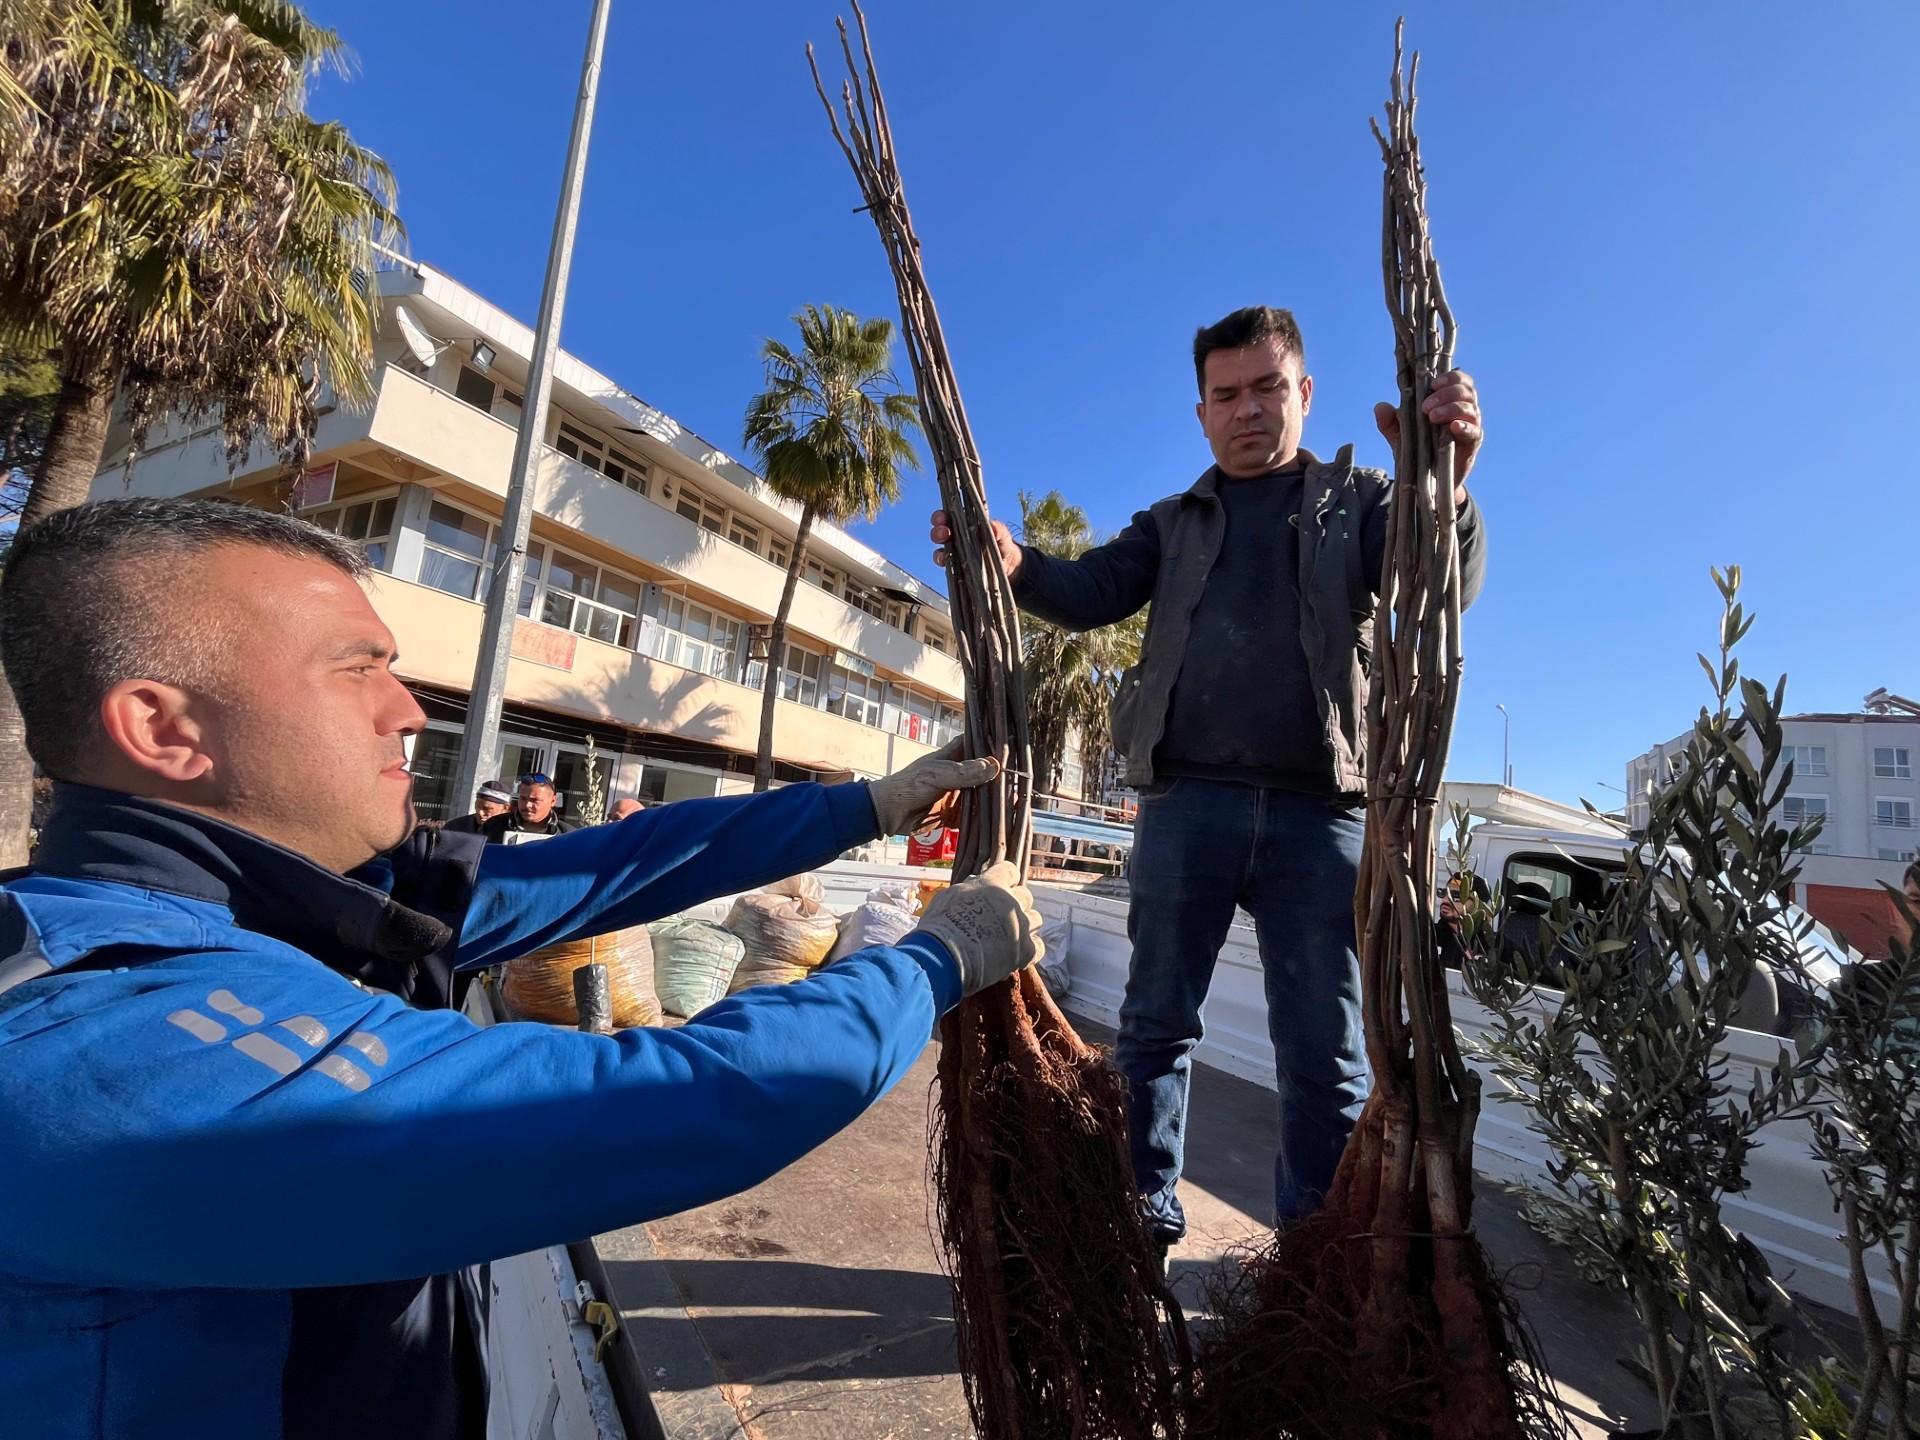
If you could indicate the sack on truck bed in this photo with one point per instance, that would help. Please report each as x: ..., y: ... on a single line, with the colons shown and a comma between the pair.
x: 885, y: 917
x: 693, y: 963
x: 787, y: 930
x: 539, y: 985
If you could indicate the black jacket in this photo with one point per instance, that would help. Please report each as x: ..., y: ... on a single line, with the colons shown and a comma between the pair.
x: 1165, y: 556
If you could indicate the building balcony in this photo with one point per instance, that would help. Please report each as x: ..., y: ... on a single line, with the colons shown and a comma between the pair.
x: 439, y: 637
x: 419, y: 433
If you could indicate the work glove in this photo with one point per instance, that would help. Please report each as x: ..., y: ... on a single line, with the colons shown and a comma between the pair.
x: 988, y: 925
x: 906, y: 800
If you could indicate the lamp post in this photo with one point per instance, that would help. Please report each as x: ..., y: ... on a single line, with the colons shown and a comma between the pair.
x: 1506, y: 745
x: 489, y: 690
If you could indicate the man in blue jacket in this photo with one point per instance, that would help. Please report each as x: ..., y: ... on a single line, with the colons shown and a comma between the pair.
x: 249, y: 1140
x: 1243, y: 728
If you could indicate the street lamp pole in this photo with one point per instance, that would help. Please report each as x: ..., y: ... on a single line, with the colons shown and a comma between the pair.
x: 489, y: 689
x: 1506, y: 745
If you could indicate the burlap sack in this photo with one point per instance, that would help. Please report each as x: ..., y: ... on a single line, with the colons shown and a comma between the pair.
x: 785, y: 925
x: 540, y: 985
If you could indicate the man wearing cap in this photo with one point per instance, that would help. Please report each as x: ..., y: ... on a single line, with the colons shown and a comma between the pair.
x: 493, y: 798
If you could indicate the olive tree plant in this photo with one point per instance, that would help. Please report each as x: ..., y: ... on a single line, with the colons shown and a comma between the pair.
x: 1648, y: 1128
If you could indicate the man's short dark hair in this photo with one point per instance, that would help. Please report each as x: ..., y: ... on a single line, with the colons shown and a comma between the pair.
x: 1243, y: 328
x: 87, y: 600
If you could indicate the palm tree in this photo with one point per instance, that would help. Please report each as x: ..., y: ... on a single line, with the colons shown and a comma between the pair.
x: 182, y: 234
x: 832, y: 430
x: 1071, y: 676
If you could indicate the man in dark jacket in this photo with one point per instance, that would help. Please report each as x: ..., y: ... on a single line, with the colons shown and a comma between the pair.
x: 491, y: 799
x: 534, y: 812
x: 1242, y: 727
x: 250, y: 1140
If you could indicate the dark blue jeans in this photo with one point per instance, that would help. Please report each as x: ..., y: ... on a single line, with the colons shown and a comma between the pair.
x: 1200, y: 848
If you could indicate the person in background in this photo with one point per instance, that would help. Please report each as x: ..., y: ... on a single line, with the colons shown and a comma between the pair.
x: 493, y: 798
x: 533, y: 813
x: 625, y: 810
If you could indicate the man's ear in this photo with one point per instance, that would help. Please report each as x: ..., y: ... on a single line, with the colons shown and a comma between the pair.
x: 1200, y: 413
x: 156, y: 728
x: 1306, y: 394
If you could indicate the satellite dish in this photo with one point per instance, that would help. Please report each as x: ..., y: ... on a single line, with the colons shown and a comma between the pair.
x: 419, y: 342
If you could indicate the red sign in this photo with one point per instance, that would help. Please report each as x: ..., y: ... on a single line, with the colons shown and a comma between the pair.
x: 543, y: 644
x: 937, y: 844
x: 316, y: 486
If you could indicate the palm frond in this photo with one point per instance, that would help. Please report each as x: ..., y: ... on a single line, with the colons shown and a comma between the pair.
x: 832, y: 429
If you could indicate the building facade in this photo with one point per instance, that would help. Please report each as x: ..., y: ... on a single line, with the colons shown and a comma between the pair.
x: 1855, y: 770
x: 654, y: 569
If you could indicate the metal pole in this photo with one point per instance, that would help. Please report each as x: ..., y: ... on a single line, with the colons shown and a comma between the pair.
x: 510, y: 553
x: 1506, y: 739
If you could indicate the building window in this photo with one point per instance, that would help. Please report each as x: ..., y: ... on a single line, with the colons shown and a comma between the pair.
x: 589, y: 601
x: 778, y: 553
x: 1893, y: 814
x: 827, y: 578
x: 1903, y: 856
x: 701, y: 511
x: 857, y: 697
x: 693, y: 637
x: 911, y: 715
x: 578, y: 445
x: 368, y: 521
x: 625, y: 470
x: 1799, y: 809
x: 934, y: 640
x: 509, y: 406
x: 1892, y: 762
x: 435, y: 758
x: 1809, y: 759
x: 866, y: 600
x: 746, y: 536
x: 799, y: 677
x: 456, y: 551
x: 474, y: 388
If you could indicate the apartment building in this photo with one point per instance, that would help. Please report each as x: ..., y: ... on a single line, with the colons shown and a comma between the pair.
x: 1857, y: 771
x: 655, y: 566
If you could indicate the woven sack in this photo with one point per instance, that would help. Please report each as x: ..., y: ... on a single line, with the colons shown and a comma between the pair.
x: 786, y: 925
x: 884, y: 918
x: 693, y: 963
x: 539, y: 985
x: 755, y: 970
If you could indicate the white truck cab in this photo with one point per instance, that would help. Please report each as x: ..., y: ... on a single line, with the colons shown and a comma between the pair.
x: 1535, y: 852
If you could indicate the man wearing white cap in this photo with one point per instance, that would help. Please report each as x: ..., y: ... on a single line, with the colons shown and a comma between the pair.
x: 493, y: 798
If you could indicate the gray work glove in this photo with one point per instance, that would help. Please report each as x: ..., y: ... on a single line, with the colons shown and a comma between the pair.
x: 906, y: 800
x: 988, y: 925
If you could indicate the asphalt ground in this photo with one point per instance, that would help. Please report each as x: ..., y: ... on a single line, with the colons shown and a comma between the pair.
x: 813, y: 1307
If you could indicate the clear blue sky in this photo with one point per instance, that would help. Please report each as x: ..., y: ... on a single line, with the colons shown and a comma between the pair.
x: 1680, y: 239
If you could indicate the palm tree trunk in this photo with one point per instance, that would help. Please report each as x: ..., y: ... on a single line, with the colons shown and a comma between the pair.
x: 76, y: 439
x: 777, y: 652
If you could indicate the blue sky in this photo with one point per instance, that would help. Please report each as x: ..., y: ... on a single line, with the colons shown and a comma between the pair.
x: 1680, y: 241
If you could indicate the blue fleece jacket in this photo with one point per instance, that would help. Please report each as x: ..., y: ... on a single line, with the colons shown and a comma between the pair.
x: 223, y: 1156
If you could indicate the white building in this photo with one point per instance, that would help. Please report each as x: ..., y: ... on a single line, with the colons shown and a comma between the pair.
x: 654, y: 558
x: 1858, y: 771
